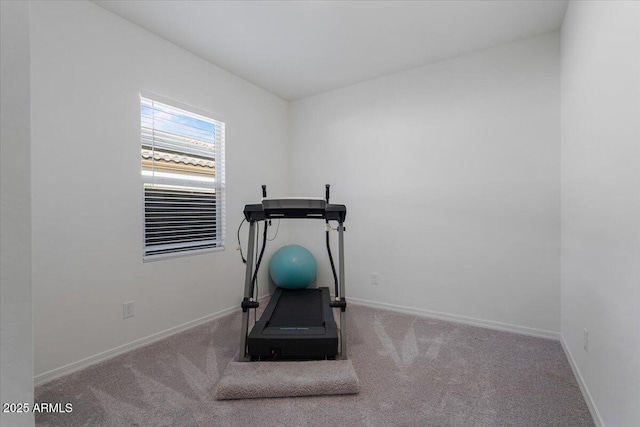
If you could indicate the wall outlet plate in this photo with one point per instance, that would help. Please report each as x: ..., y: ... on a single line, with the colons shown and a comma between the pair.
x: 585, y: 340
x: 128, y: 309
x: 375, y: 279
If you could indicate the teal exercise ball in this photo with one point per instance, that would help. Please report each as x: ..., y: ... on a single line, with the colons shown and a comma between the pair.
x: 292, y: 267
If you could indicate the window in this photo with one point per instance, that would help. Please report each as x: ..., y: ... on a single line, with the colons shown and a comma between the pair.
x: 183, y: 179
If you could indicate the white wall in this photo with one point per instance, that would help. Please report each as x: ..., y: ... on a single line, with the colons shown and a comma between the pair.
x: 88, y: 68
x: 450, y: 174
x: 601, y: 203
x: 16, y: 350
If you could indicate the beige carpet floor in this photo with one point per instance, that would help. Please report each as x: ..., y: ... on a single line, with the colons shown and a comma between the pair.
x: 413, y: 371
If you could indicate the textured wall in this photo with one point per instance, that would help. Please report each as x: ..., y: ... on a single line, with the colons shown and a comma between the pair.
x: 601, y: 203
x: 450, y: 173
x: 16, y: 350
x: 89, y: 67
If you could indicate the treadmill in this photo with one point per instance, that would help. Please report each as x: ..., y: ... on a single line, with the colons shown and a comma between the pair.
x: 296, y: 324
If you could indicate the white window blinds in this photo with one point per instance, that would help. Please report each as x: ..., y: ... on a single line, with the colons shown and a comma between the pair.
x: 182, y: 156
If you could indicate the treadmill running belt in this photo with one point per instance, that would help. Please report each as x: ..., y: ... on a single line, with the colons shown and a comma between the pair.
x: 296, y: 324
x: 298, y: 308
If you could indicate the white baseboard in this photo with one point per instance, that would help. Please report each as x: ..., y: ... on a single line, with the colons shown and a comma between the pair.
x: 100, y: 357
x: 490, y: 324
x: 105, y: 355
x: 583, y: 386
x: 502, y: 327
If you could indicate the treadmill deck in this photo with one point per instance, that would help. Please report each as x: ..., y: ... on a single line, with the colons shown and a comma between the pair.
x: 296, y: 324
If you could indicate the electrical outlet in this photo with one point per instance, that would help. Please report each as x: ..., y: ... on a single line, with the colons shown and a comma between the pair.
x: 585, y: 340
x: 127, y: 309
x: 375, y: 279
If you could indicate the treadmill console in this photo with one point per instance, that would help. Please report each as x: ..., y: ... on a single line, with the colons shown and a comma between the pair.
x: 294, y: 208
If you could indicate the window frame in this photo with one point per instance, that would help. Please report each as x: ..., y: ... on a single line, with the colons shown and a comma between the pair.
x: 218, y: 187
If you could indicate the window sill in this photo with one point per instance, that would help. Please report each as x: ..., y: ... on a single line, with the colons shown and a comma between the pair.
x: 160, y: 257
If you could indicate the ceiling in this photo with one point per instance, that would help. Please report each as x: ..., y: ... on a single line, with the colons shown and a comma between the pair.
x: 299, y: 48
